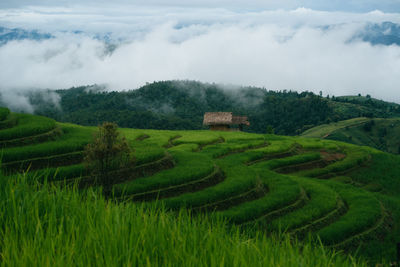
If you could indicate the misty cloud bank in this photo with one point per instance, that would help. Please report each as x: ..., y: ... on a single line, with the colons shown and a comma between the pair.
x: 298, y: 50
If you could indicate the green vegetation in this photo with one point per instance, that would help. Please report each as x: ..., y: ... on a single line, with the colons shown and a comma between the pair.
x: 180, y: 105
x: 246, y: 186
x: 74, y: 139
x: 46, y: 225
x: 189, y: 167
x: 28, y: 125
x: 364, y: 212
x: 324, y: 130
x: 107, y: 152
x: 322, y: 201
x: 379, y: 133
x: 4, y: 112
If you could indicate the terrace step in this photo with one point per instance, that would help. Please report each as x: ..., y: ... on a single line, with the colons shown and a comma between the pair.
x: 236, y: 183
x: 322, y: 201
x: 43, y: 162
x: 142, y: 137
x: 171, y: 141
x: 302, y: 166
x: 34, y: 139
x: 241, y: 150
x: 291, y: 151
x: 10, y: 122
x: 346, y: 171
x: 365, y: 214
x: 380, y: 227
x: 341, y: 208
x: 212, y: 179
x: 127, y: 174
x: 27, y: 125
x: 217, y: 141
x: 252, y: 194
x: 326, y: 160
x: 262, y: 221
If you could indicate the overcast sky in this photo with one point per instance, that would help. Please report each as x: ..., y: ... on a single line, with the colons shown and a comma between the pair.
x: 331, y: 5
x: 300, y: 45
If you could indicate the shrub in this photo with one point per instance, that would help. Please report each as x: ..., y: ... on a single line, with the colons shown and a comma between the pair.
x: 107, y: 152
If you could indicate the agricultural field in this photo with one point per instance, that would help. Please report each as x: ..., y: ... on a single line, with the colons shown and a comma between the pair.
x: 317, y: 191
x: 380, y: 133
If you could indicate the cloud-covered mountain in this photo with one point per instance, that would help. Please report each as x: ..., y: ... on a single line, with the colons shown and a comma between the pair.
x: 385, y: 33
x: 125, y: 47
x: 7, y: 35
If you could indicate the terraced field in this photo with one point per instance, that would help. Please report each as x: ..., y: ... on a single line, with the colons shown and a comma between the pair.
x: 380, y: 133
x: 304, y: 187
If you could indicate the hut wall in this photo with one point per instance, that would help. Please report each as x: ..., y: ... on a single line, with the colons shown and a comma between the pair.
x: 219, y: 128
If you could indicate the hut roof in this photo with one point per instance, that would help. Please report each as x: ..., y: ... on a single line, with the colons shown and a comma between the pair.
x: 223, y: 118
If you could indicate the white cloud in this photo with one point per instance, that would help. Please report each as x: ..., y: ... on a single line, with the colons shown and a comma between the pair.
x: 332, y: 5
x: 273, y: 49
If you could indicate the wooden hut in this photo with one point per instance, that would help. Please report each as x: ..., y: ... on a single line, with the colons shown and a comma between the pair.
x: 224, y: 121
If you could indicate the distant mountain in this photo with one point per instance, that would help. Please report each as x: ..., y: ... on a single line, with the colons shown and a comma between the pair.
x: 7, y: 35
x: 182, y: 104
x: 386, y: 33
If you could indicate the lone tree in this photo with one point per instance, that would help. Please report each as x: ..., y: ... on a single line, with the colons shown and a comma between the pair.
x: 107, y: 152
x: 270, y: 129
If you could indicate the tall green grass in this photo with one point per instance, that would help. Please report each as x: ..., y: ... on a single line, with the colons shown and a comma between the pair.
x: 48, y: 226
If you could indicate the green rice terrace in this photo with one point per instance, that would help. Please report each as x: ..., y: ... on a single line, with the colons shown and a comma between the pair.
x: 380, y: 133
x: 344, y: 196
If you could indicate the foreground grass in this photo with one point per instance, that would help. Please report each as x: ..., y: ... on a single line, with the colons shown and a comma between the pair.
x: 44, y: 226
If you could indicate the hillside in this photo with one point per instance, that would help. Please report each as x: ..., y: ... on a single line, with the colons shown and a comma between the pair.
x: 180, y: 105
x: 346, y: 195
x: 382, y: 134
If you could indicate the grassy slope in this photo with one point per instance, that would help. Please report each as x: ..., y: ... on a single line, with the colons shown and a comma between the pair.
x: 325, y: 129
x: 384, y: 133
x: 248, y: 162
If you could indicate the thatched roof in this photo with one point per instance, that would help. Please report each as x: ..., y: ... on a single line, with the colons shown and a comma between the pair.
x: 223, y: 118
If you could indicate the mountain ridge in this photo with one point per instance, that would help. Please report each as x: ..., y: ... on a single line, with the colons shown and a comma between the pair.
x: 182, y: 104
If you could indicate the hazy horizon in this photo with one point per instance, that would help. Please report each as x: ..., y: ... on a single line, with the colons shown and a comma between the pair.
x: 292, y: 45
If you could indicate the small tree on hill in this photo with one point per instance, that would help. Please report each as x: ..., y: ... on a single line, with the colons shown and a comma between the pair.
x: 107, y: 152
x: 270, y: 129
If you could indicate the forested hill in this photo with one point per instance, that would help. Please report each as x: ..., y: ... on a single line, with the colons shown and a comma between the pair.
x: 181, y: 105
